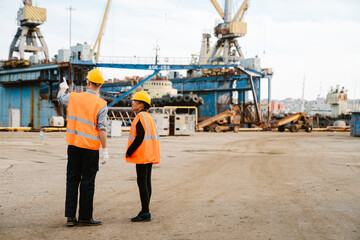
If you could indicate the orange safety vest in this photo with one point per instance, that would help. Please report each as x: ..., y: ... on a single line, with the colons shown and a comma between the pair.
x: 82, y: 119
x: 149, y: 149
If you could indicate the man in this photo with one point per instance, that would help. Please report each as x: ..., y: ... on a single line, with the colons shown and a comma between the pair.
x: 86, y: 132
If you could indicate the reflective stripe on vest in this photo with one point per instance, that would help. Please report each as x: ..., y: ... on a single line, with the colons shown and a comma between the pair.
x: 83, y: 134
x: 148, y: 137
x: 81, y: 120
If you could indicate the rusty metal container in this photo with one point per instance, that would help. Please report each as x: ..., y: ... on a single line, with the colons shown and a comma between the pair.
x: 355, y: 124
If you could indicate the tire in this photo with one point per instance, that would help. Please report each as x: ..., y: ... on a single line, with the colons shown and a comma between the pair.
x: 236, y: 129
x: 195, y: 99
x: 172, y: 100
x: 163, y: 102
x: 187, y: 98
x: 212, y: 127
x: 293, y: 128
x: 217, y: 129
x: 308, y: 128
x: 281, y: 128
x: 178, y: 98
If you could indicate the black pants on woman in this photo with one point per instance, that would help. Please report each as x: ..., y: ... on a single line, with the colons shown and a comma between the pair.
x: 143, y: 172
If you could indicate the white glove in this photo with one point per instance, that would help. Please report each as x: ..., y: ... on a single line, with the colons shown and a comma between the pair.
x: 105, y: 156
x: 64, y: 84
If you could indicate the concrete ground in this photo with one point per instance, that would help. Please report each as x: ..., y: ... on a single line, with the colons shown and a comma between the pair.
x: 248, y: 185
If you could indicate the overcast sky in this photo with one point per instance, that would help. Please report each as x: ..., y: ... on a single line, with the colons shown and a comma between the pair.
x: 318, y: 40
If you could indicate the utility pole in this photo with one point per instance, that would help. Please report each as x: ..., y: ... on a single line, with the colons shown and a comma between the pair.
x: 303, y: 95
x: 70, y: 10
x: 355, y: 102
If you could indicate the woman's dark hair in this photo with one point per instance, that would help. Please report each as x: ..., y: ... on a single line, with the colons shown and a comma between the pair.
x: 146, y: 105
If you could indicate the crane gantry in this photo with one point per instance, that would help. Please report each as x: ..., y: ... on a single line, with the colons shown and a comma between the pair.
x: 28, y: 34
x: 226, y: 49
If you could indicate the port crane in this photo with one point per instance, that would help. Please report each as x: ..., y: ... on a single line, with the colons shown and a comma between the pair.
x: 226, y: 49
x: 98, y: 39
x: 28, y: 35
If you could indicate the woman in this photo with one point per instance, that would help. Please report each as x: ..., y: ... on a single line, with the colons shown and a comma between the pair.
x: 144, y: 150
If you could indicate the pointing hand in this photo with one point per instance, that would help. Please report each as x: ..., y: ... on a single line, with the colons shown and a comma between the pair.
x: 64, y: 84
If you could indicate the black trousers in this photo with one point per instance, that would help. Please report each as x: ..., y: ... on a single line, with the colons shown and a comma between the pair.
x: 82, y: 167
x: 143, y: 172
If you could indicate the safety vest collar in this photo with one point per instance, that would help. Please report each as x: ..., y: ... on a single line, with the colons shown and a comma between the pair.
x: 92, y: 92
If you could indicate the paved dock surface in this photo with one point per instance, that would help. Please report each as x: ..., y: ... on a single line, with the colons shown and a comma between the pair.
x: 247, y: 185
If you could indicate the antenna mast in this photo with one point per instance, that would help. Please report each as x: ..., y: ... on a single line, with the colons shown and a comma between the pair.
x: 70, y: 10
x: 157, y: 49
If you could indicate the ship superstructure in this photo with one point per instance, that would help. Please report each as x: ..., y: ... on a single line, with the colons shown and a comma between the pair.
x: 337, y: 98
x: 158, y: 88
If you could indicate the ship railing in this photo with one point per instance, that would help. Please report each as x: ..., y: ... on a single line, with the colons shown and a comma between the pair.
x: 145, y: 60
x: 194, y: 60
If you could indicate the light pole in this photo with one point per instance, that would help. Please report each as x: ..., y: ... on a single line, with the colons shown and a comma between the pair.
x: 70, y: 10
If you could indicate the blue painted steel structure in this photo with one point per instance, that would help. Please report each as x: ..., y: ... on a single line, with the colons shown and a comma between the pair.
x: 355, y: 124
x: 33, y: 91
x: 35, y: 110
x: 160, y: 67
x: 133, y: 88
x: 114, y: 87
x: 216, y: 91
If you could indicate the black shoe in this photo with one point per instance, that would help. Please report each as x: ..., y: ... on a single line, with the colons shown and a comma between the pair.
x: 71, y: 221
x: 89, y: 222
x: 142, y: 217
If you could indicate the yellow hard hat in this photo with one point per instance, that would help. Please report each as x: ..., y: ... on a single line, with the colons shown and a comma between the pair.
x: 95, y: 76
x: 142, y: 96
